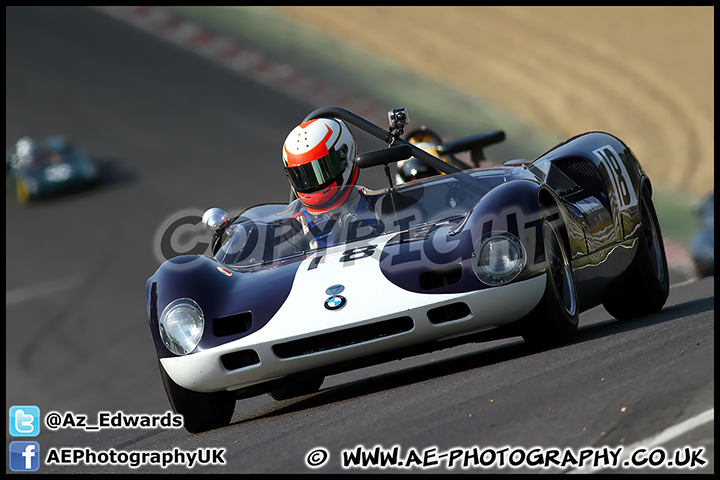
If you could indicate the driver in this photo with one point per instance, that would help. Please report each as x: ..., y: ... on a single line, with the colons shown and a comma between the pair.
x: 318, y: 156
x: 414, y: 169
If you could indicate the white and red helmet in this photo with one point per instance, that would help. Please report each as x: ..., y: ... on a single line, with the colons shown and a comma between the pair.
x: 318, y: 156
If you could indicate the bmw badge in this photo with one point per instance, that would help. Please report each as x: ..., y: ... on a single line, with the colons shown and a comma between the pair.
x: 335, y: 301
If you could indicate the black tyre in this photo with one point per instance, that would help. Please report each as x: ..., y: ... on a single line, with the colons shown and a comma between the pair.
x: 201, y: 411
x: 646, y: 285
x: 554, y: 320
x: 296, y: 386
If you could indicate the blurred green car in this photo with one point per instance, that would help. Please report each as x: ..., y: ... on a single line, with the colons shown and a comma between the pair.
x: 49, y: 168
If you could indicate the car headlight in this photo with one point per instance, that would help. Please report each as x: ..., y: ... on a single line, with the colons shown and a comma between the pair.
x: 181, y: 326
x: 499, y: 258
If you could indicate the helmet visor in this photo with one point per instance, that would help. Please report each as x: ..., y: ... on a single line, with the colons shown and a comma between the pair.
x: 318, y: 173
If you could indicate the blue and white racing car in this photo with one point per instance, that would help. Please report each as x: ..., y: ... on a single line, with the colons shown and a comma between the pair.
x: 517, y: 249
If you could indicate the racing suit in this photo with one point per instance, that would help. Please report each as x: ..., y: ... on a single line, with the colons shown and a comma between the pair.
x: 353, y: 220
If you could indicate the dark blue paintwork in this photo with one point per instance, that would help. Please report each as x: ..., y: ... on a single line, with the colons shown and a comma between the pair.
x: 261, y: 291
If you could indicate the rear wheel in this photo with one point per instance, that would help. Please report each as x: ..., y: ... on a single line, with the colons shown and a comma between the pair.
x: 554, y: 320
x: 647, y: 284
x: 201, y: 411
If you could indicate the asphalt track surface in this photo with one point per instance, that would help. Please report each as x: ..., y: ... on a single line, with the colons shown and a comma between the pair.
x: 175, y: 133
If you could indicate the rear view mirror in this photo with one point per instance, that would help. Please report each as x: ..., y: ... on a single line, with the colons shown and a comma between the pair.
x: 383, y: 156
x: 214, y: 219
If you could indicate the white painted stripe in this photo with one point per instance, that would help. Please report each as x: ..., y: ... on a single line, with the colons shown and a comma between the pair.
x: 666, y: 435
x: 24, y: 294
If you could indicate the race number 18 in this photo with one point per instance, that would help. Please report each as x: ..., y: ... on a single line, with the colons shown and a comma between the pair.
x: 619, y: 176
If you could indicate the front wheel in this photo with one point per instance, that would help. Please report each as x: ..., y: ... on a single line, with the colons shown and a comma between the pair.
x: 647, y: 284
x: 554, y: 320
x: 201, y: 411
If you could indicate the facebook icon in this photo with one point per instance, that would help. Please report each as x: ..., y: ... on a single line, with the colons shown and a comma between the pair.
x: 24, y: 456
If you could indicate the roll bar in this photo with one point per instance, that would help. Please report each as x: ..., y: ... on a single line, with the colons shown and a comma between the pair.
x: 382, y: 134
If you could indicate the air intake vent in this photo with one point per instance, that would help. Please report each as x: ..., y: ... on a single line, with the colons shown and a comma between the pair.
x: 584, y: 173
x: 343, y: 338
x: 232, y: 324
x: 441, y: 277
x: 243, y: 358
x: 448, y: 313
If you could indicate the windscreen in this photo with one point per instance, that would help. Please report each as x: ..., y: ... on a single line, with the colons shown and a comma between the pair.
x: 271, y: 233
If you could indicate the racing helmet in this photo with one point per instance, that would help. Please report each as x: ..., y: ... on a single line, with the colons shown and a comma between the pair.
x: 318, y: 156
x: 413, y: 168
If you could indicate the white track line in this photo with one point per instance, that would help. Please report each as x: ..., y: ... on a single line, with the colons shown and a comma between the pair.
x: 666, y: 435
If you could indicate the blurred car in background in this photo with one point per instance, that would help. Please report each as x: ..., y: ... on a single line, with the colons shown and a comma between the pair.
x: 702, y: 246
x: 48, y: 168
